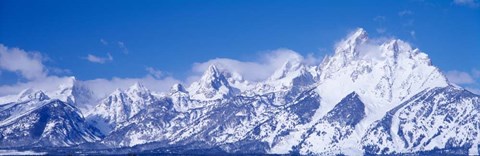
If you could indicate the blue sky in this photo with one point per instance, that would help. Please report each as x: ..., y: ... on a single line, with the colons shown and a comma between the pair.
x: 132, y: 39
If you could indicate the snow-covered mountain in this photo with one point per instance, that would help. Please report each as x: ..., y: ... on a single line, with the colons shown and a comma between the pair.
x: 440, y: 119
x: 369, y: 96
x: 37, y: 120
x: 212, y: 85
x: 74, y: 92
x: 120, y: 106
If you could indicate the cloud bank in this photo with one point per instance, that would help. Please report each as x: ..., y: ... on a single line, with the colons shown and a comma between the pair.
x: 28, y: 64
x: 256, y: 70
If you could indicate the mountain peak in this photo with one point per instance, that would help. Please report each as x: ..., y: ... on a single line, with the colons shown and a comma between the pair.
x: 293, y: 75
x: 66, y: 90
x: 212, y: 85
x: 212, y: 72
x: 212, y: 77
x: 289, y: 66
x: 212, y: 68
x: 137, y: 87
x: 116, y: 91
x: 68, y: 83
x: 178, y: 88
x: 359, y: 34
x: 347, y: 49
x: 30, y: 94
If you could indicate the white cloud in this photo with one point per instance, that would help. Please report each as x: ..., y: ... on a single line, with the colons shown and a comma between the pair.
x: 412, y: 33
x: 28, y: 64
x: 103, y: 87
x: 154, y: 72
x: 409, y: 23
x: 47, y: 84
x: 381, y: 30
x: 473, y: 90
x: 100, y: 87
x: 459, y: 77
x: 104, y: 42
x: 98, y: 59
x: 476, y: 73
x: 256, y: 70
x: 122, y: 46
x: 469, y: 3
x: 380, y: 18
x: 405, y: 13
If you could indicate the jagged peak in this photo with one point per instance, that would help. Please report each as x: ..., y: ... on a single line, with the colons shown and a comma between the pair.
x: 137, y: 87
x: 178, y: 88
x: 66, y: 88
x: 358, y: 35
x: 355, y: 38
x: 290, y: 66
x: 138, y: 90
x: 30, y: 94
x: 212, y: 77
x: 211, y: 73
x: 396, y: 46
x: 213, y: 84
x: 357, y: 47
x: 348, y: 49
x: 212, y: 69
x: 117, y: 91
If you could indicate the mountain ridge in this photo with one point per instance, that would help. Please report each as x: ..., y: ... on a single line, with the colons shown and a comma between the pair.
x: 364, y: 90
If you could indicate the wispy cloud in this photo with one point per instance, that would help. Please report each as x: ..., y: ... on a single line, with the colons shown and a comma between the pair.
x: 413, y: 34
x: 122, y: 46
x: 104, y: 42
x: 98, y: 59
x: 154, y: 72
x: 405, y: 13
x: 28, y: 64
x: 469, y: 3
x: 409, y: 23
x: 473, y: 90
x: 476, y: 73
x: 469, y: 80
x: 381, y: 30
x: 459, y: 77
x: 380, y: 20
x: 103, y: 87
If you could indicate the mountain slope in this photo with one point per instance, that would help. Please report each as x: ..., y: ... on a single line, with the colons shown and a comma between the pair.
x: 439, y: 119
x: 120, y: 106
x: 371, y: 96
x: 37, y: 120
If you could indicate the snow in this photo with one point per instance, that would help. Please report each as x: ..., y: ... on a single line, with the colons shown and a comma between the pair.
x: 384, y: 75
x: 16, y: 152
x: 8, y: 99
x: 212, y: 85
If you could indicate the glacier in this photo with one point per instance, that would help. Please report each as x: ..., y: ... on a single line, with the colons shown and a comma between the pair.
x: 368, y: 97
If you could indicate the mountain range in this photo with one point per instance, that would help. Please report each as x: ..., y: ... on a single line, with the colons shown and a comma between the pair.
x: 385, y: 98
